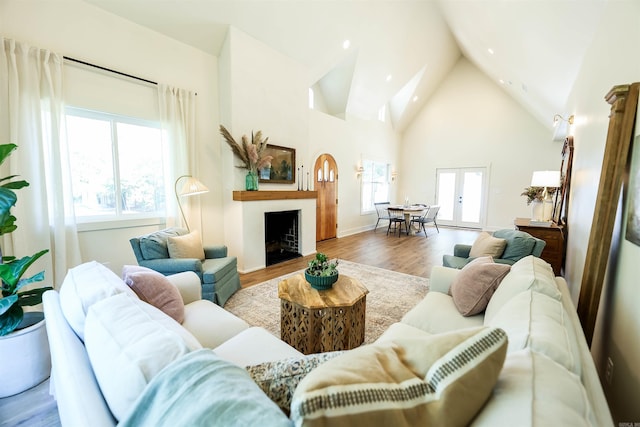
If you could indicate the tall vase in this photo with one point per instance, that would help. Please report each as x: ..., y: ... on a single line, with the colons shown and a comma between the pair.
x: 251, y: 181
x: 537, y: 210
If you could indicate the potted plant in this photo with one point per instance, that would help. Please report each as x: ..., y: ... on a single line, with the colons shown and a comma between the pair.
x: 535, y: 197
x: 321, y: 272
x: 533, y: 194
x: 22, y: 336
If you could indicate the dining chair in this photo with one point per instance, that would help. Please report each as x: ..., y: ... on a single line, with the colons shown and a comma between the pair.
x: 429, y: 217
x: 381, y: 210
x: 396, y: 217
x: 421, y: 214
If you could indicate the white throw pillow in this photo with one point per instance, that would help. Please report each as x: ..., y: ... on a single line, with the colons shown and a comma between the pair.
x: 528, y: 273
x: 128, y: 342
x: 487, y: 245
x: 85, y: 285
x: 536, y: 321
x: 438, y: 380
x: 533, y: 390
x: 187, y: 246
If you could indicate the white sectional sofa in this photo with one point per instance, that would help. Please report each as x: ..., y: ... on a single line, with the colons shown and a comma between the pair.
x: 111, y: 348
x: 97, y: 374
x: 548, y: 377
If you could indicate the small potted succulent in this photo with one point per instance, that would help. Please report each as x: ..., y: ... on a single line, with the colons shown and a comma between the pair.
x: 321, y: 272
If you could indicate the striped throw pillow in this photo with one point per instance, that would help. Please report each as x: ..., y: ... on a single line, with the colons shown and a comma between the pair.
x: 443, y: 379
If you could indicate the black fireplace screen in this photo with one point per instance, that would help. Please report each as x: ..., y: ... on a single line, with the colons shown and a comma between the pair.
x: 281, y: 236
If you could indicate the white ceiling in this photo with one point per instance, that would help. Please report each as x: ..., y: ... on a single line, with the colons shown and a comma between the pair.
x: 538, y: 45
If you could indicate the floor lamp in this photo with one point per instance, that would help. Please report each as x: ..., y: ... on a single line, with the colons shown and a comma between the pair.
x: 190, y: 188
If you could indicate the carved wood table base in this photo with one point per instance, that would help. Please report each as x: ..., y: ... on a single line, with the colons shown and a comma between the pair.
x: 315, y: 321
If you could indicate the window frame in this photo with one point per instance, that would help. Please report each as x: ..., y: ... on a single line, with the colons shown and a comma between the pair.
x: 118, y: 219
x: 386, y: 182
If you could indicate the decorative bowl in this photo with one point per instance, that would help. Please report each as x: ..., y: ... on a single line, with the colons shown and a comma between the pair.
x: 321, y: 283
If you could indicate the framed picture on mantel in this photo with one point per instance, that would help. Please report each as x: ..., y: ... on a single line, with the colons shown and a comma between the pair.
x: 283, y: 165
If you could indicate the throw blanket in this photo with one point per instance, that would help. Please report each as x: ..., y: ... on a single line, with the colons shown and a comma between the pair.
x: 200, y: 389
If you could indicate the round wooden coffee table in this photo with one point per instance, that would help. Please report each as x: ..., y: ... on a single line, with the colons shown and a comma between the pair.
x: 315, y: 321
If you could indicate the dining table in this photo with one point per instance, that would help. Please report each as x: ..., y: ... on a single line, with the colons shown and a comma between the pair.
x: 409, y: 211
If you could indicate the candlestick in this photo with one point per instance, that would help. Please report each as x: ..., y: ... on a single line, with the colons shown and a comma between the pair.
x: 308, y: 182
x: 299, y: 179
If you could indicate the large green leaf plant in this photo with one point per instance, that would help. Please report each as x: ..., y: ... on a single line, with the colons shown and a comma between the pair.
x: 11, y: 268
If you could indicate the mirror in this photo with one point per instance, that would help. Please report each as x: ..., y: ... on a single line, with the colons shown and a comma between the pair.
x: 561, y: 202
x: 624, y: 102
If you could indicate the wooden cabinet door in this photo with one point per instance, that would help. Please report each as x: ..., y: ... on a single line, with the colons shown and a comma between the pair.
x: 325, y: 176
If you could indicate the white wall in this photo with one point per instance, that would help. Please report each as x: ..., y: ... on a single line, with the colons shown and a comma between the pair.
x: 267, y: 91
x: 611, y: 60
x: 79, y: 30
x: 261, y: 89
x: 471, y: 122
x: 349, y: 141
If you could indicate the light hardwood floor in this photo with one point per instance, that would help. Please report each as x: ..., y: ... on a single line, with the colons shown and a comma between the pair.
x: 413, y: 255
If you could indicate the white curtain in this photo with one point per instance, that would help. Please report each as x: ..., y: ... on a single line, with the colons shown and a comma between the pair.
x: 31, y: 116
x: 177, y: 116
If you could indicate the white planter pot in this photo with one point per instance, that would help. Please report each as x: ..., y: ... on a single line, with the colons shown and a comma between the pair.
x: 25, y: 360
x: 537, y: 210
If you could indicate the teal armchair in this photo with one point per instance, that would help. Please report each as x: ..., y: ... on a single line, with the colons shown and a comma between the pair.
x: 217, y: 271
x: 519, y: 245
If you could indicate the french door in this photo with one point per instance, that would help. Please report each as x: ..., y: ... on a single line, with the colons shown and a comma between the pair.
x: 461, y: 194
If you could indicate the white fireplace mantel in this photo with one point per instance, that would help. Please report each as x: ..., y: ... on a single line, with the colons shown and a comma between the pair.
x: 245, y: 230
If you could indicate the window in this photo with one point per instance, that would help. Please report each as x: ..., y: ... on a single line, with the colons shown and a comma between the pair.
x: 375, y: 185
x: 117, y: 167
x: 382, y: 113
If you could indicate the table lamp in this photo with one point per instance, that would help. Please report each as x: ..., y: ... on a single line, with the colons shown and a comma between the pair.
x: 546, y: 179
x: 190, y: 188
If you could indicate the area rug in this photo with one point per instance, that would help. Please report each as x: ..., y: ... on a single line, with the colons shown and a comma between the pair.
x: 390, y: 296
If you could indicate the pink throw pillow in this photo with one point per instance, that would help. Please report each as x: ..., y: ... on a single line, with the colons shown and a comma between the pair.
x: 473, y: 287
x: 155, y: 289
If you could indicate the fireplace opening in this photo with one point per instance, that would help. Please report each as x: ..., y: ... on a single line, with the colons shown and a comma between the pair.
x: 281, y: 236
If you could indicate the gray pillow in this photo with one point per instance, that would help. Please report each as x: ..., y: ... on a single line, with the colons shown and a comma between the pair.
x: 154, y: 245
x: 279, y: 379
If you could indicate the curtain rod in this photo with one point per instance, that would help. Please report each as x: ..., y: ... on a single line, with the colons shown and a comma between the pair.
x: 109, y: 70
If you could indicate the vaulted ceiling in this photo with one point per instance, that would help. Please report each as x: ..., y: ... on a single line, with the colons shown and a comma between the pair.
x: 398, y: 51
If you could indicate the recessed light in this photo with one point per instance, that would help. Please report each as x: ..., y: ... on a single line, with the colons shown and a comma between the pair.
x: 415, y: 98
x: 490, y: 51
x: 501, y: 81
x: 346, y: 44
x: 389, y: 78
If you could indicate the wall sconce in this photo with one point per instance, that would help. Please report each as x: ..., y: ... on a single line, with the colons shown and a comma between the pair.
x: 561, y: 127
x: 394, y: 175
x: 359, y: 171
x: 558, y: 117
x: 190, y: 188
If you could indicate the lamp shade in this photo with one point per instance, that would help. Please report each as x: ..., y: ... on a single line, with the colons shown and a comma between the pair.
x: 192, y: 186
x: 545, y: 179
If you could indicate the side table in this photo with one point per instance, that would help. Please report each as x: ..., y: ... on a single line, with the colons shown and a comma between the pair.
x: 553, y: 251
x: 315, y: 321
